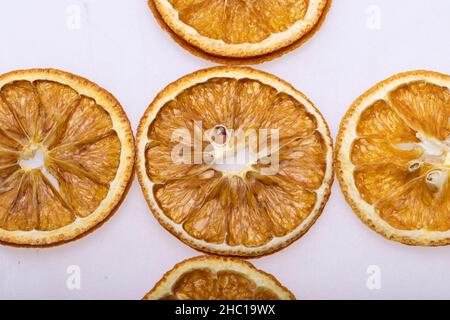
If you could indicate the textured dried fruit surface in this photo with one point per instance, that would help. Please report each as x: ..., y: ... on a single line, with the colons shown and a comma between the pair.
x: 417, y: 113
x: 401, y: 156
x: 204, y: 284
x: 214, y: 278
x: 239, y: 21
x: 80, y: 156
x: 268, y: 195
x: 240, y: 28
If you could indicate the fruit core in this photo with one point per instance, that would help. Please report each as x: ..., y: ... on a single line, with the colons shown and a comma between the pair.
x: 32, y: 157
x: 228, y: 154
x: 435, y: 153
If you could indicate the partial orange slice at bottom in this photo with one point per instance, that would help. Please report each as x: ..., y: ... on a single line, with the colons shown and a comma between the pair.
x: 218, y: 278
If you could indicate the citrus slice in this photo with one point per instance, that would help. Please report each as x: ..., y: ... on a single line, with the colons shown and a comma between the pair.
x: 234, y: 161
x: 238, y: 28
x: 67, y: 155
x: 393, y: 158
x: 218, y: 278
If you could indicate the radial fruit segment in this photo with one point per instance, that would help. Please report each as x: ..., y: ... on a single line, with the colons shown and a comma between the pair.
x: 67, y: 156
x: 234, y: 161
x: 215, y: 278
x: 394, y: 158
x: 237, y: 28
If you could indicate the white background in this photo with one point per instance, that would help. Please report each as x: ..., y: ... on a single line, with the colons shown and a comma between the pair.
x: 120, y: 46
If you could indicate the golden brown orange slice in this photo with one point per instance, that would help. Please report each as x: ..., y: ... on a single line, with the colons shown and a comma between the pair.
x: 256, y: 165
x: 218, y: 278
x: 67, y: 155
x: 240, y: 28
x: 393, y: 158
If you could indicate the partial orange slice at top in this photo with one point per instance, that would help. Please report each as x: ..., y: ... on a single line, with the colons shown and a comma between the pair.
x: 238, y: 28
x: 393, y: 158
x: 66, y: 156
x: 218, y: 278
x: 234, y: 161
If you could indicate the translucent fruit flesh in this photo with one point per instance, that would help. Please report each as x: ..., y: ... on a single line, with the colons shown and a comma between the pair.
x: 81, y: 154
x: 247, y: 208
x: 238, y: 21
x: 206, y: 284
x: 401, y: 157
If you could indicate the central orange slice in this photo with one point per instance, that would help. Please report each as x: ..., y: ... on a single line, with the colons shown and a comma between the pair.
x: 234, y: 161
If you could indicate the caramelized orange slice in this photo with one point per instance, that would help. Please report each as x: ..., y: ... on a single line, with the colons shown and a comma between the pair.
x: 234, y: 161
x: 217, y: 278
x: 393, y: 158
x: 66, y: 156
x: 238, y: 28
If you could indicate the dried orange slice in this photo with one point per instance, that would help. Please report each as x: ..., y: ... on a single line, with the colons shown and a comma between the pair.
x: 67, y: 156
x: 238, y: 28
x: 218, y: 278
x: 393, y: 158
x: 230, y: 193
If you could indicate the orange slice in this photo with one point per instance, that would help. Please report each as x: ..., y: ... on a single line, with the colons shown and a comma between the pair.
x: 229, y: 193
x: 218, y: 278
x: 393, y: 158
x: 67, y: 155
x: 241, y: 29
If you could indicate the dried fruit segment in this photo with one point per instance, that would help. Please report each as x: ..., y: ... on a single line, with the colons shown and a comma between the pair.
x: 400, y: 158
x: 6, y: 173
x: 215, y: 278
x: 213, y: 100
x: 376, y: 150
x: 22, y: 98
x: 286, y: 202
x: 253, y: 100
x: 57, y: 101
x: 377, y: 181
x: 80, y: 191
x: 304, y: 160
x: 99, y: 158
x: 425, y: 107
x: 179, y: 198
x: 381, y: 121
x: 8, y: 158
x: 248, y: 225
x: 161, y: 167
x: 30, y: 203
x: 238, y: 28
x: 414, y: 206
x: 255, y: 164
x: 8, y: 144
x: 9, y: 125
x: 9, y: 192
x: 209, y: 222
x: 50, y: 201
x: 88, y: 120
x: 43, y: 200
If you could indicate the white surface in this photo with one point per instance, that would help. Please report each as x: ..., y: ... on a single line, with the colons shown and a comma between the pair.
x: 121, y: 47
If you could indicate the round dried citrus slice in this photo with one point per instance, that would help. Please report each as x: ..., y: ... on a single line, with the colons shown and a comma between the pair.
x: 218, y: 278
x: 238, y: 28
x: 67, y: 154
x: 234, y: 161
x: 393, y: 158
